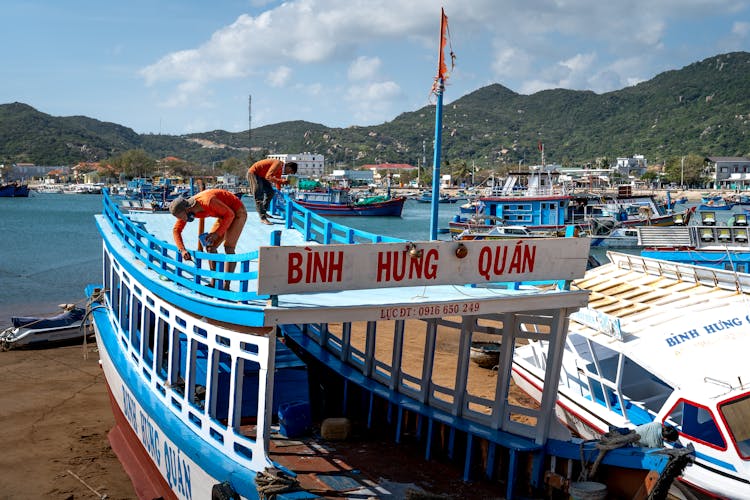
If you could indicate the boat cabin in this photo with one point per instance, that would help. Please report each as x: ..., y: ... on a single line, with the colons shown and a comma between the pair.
x: 666, y: 342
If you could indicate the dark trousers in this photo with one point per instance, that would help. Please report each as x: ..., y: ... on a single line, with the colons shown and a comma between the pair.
x: 263, y: 193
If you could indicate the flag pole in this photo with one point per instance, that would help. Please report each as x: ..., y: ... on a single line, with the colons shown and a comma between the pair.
x: 438, y: 89
x: 436, y: 160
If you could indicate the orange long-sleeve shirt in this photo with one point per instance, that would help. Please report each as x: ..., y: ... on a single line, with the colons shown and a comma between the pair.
x: 215, y: 203
x: 269, y: 169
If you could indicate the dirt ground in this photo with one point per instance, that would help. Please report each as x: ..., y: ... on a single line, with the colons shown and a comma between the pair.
x: 54, y: 419
x: 55, y: 416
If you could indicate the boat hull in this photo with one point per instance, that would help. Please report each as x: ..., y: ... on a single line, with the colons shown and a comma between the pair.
x: 14, y: 191
x: 158, y: 465
x: 389, y: 208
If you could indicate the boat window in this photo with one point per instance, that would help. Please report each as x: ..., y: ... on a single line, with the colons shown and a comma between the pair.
x: 199, y: 369
x: 697, y: 423
x: 135, y: 330
x: 149, y: 330
x: 114, y: 294
x: 221, y: 370
x: 173, y: 351
x: 161, y: 347
x: 736, y: 414
x: 642, y: 386
x: 125, y: 309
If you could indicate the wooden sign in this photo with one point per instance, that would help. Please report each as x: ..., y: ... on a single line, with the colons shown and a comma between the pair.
x: 318, y: 268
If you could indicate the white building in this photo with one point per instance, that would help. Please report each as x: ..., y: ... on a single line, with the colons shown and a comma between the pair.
x: 634, y: 166
x: 309, y: 165
x: 729, y: 172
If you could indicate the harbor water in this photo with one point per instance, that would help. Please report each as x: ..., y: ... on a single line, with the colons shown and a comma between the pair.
x: 52, y: 248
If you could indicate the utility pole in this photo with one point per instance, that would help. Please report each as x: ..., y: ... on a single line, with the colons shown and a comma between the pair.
x: 424, y: 160
x: 249, y: 122
x: 682, y: 174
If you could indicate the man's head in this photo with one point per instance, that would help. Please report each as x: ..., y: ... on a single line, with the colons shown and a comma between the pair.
x: 669, y: 433
x: 290, y: 167
x: 181, y: 208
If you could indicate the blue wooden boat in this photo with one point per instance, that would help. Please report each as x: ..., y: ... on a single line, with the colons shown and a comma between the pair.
x: 14, y: 190
x: 319, y: 322
x: 707, y: 245
x: 342, y: 202
x: 716, y: 205
x: 215, y: 391
x: 553, y: 212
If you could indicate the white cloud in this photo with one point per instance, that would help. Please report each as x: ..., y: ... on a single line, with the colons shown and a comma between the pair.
x: 364, y: 68
x: 528, y: 46
x: 511, y: 62
x: 373, y: 101
x: 279, y: 76
x: 741, y: 29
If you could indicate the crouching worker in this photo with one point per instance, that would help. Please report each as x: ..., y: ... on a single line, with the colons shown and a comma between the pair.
x: 655, y: 434
x: 230, y: 216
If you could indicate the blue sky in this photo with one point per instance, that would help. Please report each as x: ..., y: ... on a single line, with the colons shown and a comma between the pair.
x: 174, y: 67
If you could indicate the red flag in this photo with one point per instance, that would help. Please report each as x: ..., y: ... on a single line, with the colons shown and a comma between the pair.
x: 443, y: 72
x: 442, y: 68
x: 541, y: 146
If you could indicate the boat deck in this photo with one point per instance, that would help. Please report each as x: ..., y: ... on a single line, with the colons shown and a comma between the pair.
x: 668, y: 319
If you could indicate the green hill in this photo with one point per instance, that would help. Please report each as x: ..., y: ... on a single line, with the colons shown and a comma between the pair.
x: 703, y: 109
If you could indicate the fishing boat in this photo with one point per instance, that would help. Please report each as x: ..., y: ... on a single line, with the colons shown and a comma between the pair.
x: 14, y: 190
x: 503, y: 232
x: 723, y: 246
x: 343, y: 202
x: 719, y: 204
x: 619, y: 237
x: 38, y: 330
x: 215, y: 391
x: 540, y: 207
x: 426, y: 197
x: 665, y: 342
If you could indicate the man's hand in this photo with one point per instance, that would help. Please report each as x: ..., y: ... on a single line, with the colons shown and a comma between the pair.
x: 186, y: 255
x: 211, y: 240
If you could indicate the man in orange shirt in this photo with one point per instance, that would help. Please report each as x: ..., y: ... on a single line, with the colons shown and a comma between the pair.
x: 260, y: 176
x: 230, y: 216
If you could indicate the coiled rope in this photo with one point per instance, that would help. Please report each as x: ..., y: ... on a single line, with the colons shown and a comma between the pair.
x: 608, y: 441
x: 273, y: 481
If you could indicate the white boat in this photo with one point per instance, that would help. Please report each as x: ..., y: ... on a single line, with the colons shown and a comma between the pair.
x: 619, y: 237
x: 205, y: 393
x: 503, y: 232
x: 39, y: 330
x: 665, y: 342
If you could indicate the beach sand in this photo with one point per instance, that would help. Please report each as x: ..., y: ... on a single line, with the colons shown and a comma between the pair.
x: 55, y: 417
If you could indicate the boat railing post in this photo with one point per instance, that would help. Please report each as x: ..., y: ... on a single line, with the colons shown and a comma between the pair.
x: 275, y: 242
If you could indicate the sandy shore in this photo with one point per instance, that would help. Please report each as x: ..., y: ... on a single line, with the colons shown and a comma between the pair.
x: 55, y: 416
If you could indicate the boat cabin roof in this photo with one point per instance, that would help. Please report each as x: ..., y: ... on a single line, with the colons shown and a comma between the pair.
x: 688, y: 325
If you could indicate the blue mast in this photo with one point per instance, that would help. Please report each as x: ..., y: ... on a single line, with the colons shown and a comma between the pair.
x: 436, y: 160
x: 438, y: 88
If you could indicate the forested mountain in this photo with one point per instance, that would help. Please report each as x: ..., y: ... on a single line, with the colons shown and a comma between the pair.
x: 703, y: 109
